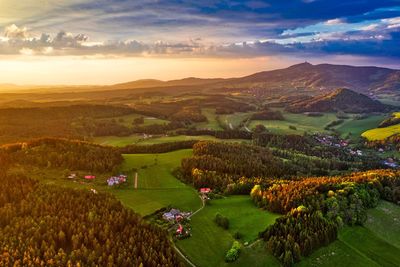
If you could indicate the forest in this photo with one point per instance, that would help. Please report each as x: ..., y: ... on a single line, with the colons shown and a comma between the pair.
x: 43, y: 225
x: 64, y: 153
x: 316, y: 207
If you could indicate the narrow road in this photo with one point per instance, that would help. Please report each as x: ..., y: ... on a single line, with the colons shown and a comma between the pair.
x: 188, y: 261
x: 184, y: 257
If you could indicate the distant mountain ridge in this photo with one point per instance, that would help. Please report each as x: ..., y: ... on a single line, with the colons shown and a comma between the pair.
x: 321, y: 77
x: 340, y: 100
x: 329, y: 77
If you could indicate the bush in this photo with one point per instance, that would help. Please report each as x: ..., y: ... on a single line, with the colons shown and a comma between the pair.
x: 233, y: 253
x: 237, y: 235
x: 292, y: 127
x: 221, y: 221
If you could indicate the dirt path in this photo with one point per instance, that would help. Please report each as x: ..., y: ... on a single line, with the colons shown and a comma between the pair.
x: 188, y: 261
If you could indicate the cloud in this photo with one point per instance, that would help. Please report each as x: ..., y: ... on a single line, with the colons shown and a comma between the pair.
x: 334, y: 22
x: 13, y: 31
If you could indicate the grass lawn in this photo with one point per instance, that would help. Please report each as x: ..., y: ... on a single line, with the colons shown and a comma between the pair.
x: 209, y: 243
x: 157, y: 187
x: 357, y: 127
x: 303, y: 123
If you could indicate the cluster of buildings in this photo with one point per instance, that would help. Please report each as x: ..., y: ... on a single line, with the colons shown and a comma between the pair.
x: 334, y: 141
x: 390, y: 163
x: 117, y: 180
x: 175, y: 215
x: 330, y: 140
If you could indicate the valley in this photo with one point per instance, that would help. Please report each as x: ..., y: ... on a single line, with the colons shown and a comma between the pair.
x: 245, y: 145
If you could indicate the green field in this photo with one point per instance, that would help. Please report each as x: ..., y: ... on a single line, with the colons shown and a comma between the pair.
x: 157, y: 187
x: 233, y: 121
x: 357, y: 127
x: 139, y: 140
x: 303, y: 123
x: 374, y: 244
x: 212, y: 122
x: 384, y: 221
x: 209, y: 243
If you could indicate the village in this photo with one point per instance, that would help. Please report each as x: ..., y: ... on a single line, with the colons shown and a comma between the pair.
x: 334, y: 141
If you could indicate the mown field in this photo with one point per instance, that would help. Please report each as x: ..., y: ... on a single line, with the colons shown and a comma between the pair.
x: 157, y: 187
x: 209, y: 242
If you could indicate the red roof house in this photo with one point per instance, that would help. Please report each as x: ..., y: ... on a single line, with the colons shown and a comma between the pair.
x: 205, y: 190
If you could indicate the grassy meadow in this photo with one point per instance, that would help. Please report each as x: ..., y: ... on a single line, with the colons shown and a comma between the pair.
x: 157, y: 187
x: 356, y: 127
x: 209, y: 242
x: 301, y: 122
x: 374, y: 244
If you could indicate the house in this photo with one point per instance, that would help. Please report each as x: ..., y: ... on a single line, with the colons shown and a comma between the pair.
x: 175, y: 215
x: 170, y: 216
x: 90, y: 177
x: 72, y: 176
x: 179, y: 230
x: 117, y: 180
x: 205, y: 190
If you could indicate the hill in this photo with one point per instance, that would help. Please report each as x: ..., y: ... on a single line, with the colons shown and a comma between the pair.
x: 372, y: 80
x: 340, y: 100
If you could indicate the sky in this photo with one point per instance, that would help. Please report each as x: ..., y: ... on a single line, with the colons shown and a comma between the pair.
x: 111, y: 41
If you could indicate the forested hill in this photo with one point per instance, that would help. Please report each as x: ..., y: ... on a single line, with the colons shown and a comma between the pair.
x: 340, y: 100
x: 43, y: 225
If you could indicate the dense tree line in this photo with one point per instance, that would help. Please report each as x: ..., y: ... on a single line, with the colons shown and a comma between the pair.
x: 268, y: 114
x: 393, y: 120
x: 316, y: 207
x: 390, y: 143
x: 298, y: 234
x: 233, y: 167
x: 42, y: 225
x: 63, y: 153
x: 56, y: 121
x: 286, y: 195
x: 157, y: 148
x: 235, y: 159
x: 189, y: 115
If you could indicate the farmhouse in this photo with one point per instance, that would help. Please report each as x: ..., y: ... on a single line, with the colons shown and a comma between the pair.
x: 117, y: 180
x: 175, y: 215
x: 72, y: 176
x: 205, y: 190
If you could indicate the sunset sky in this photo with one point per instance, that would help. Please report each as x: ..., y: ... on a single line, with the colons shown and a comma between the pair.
x: 110, y: 41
